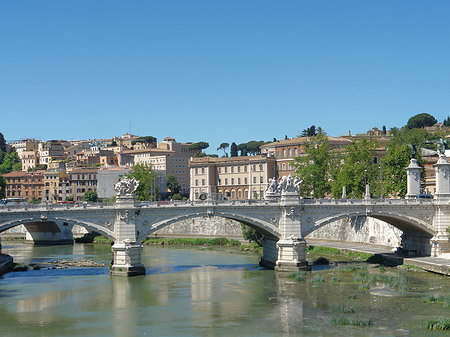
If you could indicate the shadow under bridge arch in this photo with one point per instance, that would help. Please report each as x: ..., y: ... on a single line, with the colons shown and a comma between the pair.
x: 405, y: 223
x: 266, y: 228
x: 86, y: 224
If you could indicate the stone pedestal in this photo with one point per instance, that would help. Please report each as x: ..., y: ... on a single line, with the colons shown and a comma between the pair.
x: 291, y: 255
x: 127, y: 259
x: 126, y: 201
x: 413, y: 179
x: 272, y: 196
x: 442, y: 177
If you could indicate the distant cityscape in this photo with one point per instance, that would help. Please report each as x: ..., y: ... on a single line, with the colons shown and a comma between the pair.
x: 58, y: 170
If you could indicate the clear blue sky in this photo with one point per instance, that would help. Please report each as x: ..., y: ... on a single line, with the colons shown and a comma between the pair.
x: 219, y: 71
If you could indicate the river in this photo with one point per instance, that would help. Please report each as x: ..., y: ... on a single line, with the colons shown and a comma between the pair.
x: 201, y: 292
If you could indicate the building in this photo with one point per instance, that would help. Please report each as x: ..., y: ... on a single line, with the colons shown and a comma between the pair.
x: 27, y: 185
x: 235, y: 178
x: 169, y: 157
x: 29, y: 158
x: 56, y: 186
x: 107, y: 177
x: 82, y: 180
x: 25, y: 145
x: 51, y: 150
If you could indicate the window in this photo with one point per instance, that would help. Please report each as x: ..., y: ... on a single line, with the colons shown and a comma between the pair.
x: 219, y: 169
x: 290, y: 152
x: 232, y: 169
x: 260, y: 167
x: 232, y: 181
x: 261, y: 180
x: 254, y: 180
x: 239, y: 169
x: 203, y: 182
x: 245, y: 168
x: 196, y: 182
x: 295, y: 151
x: 203, y: 170
x: 226, y: 181
x: 284, y: 166
x: 245, y: 181
x: 284, y: 152
x: 225, y: 169
x: 239, y: 181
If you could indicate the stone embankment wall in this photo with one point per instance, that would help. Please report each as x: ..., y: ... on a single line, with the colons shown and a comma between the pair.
x: 356, y: 229
x: 359, y: 229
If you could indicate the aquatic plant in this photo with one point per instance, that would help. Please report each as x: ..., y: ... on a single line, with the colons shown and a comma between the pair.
x: 438, y: 324
x: 356, y: 321
x: 343, y: 309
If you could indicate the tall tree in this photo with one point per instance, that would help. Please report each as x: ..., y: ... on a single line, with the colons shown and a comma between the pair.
x: 148, y: 189
x: 315, y: 168
x: 420, y: 121
x: 2, y: 143
x: 172, y: 185
x: 242, y: 148
x: 2, y: 187
x: 356, y: 169
x: 9, y: 162
x: 224, y: 147
x: 233, y: 150
x: 309, y: 132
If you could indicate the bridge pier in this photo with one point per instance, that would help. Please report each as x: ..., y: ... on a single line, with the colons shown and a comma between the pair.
x: 48, y: 232
x: 127, y: 250
x: 127, y: 259
x: 291, y: 246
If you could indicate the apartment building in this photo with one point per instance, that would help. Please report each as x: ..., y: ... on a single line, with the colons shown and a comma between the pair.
x: 51, y: 150
x: 25, y: 145
x: 236, y: 178
x: 56, y: 186
x: 29, y: 158
x: 27, y: 185
x: 81, y: 181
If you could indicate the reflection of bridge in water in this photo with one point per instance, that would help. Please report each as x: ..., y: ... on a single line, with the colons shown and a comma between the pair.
x: 284, y: 219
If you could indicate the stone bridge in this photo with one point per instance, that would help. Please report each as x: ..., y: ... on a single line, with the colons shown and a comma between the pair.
x: 284, y: 223
x: 283, y: 218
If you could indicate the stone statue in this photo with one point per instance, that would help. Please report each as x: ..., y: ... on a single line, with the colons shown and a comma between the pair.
x: 126, y: 187
x: 413, y: 151
x: 289, y: 185
x: 442, y: 146
x: 272, y: 186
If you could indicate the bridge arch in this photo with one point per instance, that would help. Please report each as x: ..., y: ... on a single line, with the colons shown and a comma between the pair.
x: 400, y: 221
x: 264, y: 227
x: 86, y: 224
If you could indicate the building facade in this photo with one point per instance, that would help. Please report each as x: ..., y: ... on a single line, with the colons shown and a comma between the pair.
x: 234, y: 178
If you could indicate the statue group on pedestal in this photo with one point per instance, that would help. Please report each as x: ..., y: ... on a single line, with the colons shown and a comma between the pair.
x: 286, y: 185
x: 126, y: 187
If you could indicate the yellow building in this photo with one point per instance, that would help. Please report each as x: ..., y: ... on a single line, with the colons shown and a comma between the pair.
x: 235, y: 178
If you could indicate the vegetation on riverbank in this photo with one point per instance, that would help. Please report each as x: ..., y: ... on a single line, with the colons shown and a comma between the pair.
x: 335, y: 254
x: 13, y: 238
x: 202, y: 242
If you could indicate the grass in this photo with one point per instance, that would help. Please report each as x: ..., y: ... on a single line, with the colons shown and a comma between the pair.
x: 299, y: 276
x: 438, y: 324
x: 350, y: 267
x: 440, y: 299
x: 318, y: 278
x: 355, y: 321
x: 195, y: 242
x: 101, y: 239
x: 343, y: 309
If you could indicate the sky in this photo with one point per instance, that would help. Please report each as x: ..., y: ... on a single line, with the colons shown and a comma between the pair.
x: 219, y: 71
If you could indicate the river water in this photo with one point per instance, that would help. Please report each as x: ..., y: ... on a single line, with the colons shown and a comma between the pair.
x: 193, y: 292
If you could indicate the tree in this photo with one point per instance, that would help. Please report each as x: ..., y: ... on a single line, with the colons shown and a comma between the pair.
x: 315, y: 168
x: 254, y: 147
x: 242, y: 148
x: 446, y: 121
x: 420, y: 121
x: 309, y: 132
x: 199, y: 146
x: 172, y: 185
x: 2, y: 143
x: 394, y: 170
x: 90, y: 196
x: 321, y: 131
x: 251, y: 234
x: 9, y: 162
x: 384, y: 130
x: 224, y: 147
x: 148, y: 189
x: 356, y: 169
x: 233, y: 150
x: 2, y: 187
